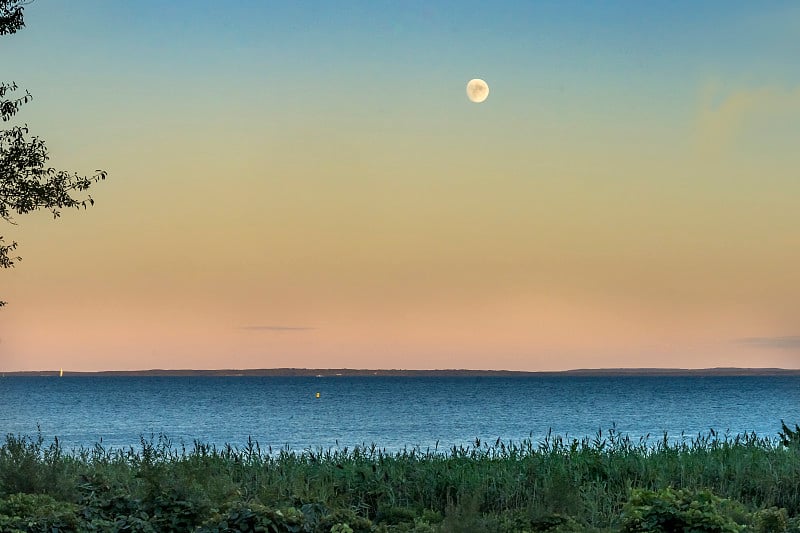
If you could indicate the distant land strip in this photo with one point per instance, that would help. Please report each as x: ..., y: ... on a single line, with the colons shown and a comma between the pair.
x: 351, y: 372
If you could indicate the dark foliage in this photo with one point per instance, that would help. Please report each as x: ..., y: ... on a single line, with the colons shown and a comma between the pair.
x: 790, y: 437
x: 11, y: 16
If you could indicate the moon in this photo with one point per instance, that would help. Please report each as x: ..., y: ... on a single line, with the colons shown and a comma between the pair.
x: 477, y: 90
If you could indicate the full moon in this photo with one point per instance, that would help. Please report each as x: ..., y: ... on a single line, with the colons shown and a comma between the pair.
x: 477, y: 90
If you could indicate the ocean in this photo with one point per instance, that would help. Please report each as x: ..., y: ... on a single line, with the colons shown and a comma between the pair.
x: 391, y: 412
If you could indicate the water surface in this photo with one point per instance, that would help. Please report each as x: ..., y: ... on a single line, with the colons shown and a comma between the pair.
x: 392, y: 412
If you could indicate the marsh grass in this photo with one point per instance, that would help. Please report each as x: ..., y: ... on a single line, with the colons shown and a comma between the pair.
x: 553, y: 485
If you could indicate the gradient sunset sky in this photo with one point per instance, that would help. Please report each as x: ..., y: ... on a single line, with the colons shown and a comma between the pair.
x: 305, y: 184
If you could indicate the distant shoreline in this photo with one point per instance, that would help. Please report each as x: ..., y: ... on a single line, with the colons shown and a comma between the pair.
x: 350, y: 372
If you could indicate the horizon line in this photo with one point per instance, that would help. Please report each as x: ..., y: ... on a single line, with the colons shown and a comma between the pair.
x: 374, y: 371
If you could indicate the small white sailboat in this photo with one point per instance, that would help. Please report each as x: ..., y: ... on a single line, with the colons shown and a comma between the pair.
x: 61, y: 373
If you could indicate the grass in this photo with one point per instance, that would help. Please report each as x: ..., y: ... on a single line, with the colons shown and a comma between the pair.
x: 606, y: 483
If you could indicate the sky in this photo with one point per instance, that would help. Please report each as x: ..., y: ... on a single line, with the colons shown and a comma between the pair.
x: 306, y: 184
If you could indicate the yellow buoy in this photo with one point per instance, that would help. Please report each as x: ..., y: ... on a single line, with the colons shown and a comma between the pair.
x: 317, y: 395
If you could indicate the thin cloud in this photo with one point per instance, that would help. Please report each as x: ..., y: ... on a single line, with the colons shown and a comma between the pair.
x: 277, y: 328
x: 721, y: 120
x: 790, y: 342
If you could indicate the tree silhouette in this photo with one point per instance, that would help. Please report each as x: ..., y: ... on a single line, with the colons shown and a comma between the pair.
x: 26, y: 183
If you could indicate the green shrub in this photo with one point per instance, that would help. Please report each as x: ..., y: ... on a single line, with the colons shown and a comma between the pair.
x: 388, y: 514
x: 671, y: 511
x: 247, y: 517
x: 28, y: 466
x: 556, y: 523
x: 431, y: 516
x: 37, y: 513
x: 102, y: 501
x: 464, y: 516
x: 771, y: 520
x: 340, y: 518
x: 419, y: 525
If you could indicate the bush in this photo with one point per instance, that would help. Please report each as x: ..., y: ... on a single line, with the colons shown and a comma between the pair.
x: 37, y: 513
x: 103, y: 502
x: 556, y: 523
x: 394, y: 515
x: 343, y: 520
x: 255, y: 517
x: 771, y: 520
x: 28, y: 466
x: 671, y: 511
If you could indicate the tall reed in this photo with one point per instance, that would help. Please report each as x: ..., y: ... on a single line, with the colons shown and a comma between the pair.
x: 588, y: 479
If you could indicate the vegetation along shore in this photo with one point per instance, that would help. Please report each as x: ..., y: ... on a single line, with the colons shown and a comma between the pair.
x: 709, y: 482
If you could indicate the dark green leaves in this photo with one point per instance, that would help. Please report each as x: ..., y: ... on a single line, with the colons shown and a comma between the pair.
x: 11, y: 18
x: 789, y: 437
x: 10, y: 106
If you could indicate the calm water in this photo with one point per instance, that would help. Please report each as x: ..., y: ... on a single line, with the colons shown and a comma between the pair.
x: 389, y: 411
